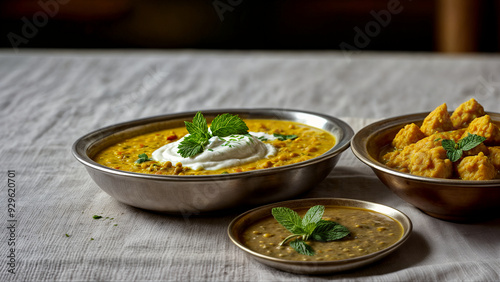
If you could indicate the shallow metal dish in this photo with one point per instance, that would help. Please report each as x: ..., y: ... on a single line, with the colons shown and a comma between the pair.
x: 240, y: 223
x: 448, y: 199
x: 197, y: 194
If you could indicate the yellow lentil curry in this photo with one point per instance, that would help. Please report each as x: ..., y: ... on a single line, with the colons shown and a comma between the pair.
x: 311, y: 142
x: 369, y: 232
x: 419, y: 150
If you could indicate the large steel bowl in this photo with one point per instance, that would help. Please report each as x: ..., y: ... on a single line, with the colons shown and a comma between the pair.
x: 191, y: 195
x: 448, y: 199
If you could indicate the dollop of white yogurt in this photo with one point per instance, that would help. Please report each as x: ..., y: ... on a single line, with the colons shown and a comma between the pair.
x: 221, y: 152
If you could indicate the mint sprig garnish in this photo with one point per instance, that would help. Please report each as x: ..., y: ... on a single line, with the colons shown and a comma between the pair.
x: 143, y: 158
x: 222, y: 126
x: 454, y: 151
x: 311, y: 227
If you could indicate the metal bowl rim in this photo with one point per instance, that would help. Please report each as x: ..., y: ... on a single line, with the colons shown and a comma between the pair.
x: 406, y: 233
x: 338, y: 148
x: 359, y: 150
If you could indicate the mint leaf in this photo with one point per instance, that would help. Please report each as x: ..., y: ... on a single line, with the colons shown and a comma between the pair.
x: 454, y: 151
x: 454, y: 155
x: 143, y: 158
x: 227, y: 124
x: 448, y: 145
x: 310, y: 226
x: 282, y: 137
x: 313, y: 215
x: 301, y: 247
x: 191, y: 146
x: 288, y: 218
x: 197, y: 140
x: 470, y: 141
x: 308, y: 230
x: 329, y: 231
x: 198, y: 127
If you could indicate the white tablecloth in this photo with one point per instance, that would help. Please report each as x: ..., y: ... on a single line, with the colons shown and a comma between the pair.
x: 50, y: 98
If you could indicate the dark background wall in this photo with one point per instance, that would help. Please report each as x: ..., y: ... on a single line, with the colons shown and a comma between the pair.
x: 408, y: 25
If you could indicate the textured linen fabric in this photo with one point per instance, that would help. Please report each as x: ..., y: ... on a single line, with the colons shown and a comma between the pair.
x: 50, y: 98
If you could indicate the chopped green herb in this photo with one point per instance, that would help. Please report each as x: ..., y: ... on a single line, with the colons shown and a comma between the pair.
x: 116, y: 224
x: 282, y: 137
x: 454, y: 151
x: 311, y: 227
x: 143, y: 158
x: 91, y: 239
x: 67, y: 235
x: 97, y: 217
x: 250, y: 137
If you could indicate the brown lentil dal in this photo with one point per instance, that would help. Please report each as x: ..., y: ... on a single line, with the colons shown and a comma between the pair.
x: 370, y: 232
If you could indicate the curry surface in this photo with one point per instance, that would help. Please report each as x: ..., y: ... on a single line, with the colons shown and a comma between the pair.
x: 370, y: 232
x: 310, y: 143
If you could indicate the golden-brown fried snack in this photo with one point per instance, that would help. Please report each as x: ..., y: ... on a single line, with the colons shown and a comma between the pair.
x: 494, y: 156
x: 437, y: 121
x: 394, y: 160
x: 466, y: 113
x: 408, y: 135
x: 476, y: 168
x: 399, y: 159
x: 425, y: 156
x: 431, y: 163
x: 483, y: 126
